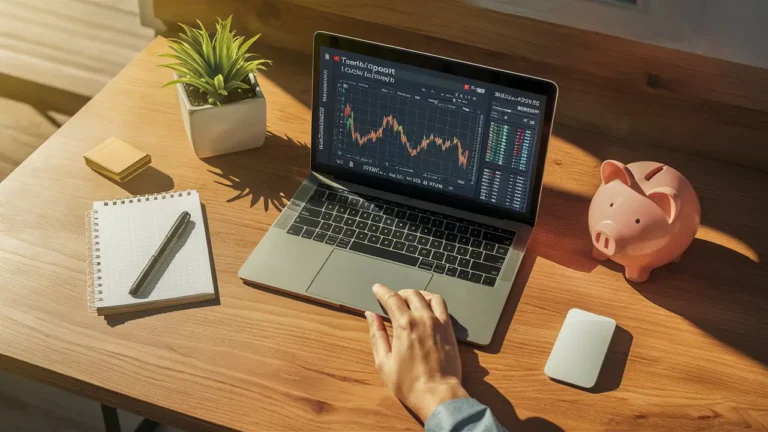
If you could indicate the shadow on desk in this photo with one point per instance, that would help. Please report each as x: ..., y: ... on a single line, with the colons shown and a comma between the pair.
x: 119, y: 319
x: 251, y: 173
x: 510, y: 307
x: 43, y: 98
x: 562, y: 221
x: 149, y: 181
x: 717, y: 289
x: 727, y: 192
x: 720, y: 291
x: 475, y: 382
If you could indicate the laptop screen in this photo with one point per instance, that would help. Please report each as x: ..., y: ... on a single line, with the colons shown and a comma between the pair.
x: 444, y: 135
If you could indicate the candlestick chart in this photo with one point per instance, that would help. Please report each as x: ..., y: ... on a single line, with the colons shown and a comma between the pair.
x: 404, y: 132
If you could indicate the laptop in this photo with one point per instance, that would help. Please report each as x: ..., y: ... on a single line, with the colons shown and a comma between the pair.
x: 426, y: 174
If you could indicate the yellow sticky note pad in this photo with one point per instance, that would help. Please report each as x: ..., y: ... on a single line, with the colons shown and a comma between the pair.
x: 117, y: 159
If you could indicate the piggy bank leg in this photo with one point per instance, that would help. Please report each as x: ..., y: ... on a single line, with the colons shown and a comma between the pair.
x: 596, y: 254
x: 637, y: 274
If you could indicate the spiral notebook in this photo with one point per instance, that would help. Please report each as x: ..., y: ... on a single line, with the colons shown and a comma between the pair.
x: 122, y: 235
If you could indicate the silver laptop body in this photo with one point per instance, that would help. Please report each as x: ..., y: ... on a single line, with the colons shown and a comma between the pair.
x: 342, y: 231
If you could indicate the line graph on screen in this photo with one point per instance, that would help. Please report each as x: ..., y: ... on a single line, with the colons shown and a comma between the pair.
x: 391, y: 122
x: 406, y: 132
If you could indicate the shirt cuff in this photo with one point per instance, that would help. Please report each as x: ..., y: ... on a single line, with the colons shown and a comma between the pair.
x: 462, y: 415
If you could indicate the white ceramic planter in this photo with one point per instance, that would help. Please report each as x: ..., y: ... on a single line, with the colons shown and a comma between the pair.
x: 215, y: 130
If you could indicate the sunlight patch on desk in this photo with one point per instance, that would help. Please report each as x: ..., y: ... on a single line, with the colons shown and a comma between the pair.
x: 561, y: 170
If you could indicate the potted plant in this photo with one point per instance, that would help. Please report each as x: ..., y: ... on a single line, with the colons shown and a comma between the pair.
x: 222, y: 105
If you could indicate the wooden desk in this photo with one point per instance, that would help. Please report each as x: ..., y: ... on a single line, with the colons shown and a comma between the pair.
x: 692, y: 354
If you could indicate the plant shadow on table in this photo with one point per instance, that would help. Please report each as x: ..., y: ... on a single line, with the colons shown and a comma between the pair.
x: 270, y: 174
x: 119, y: 319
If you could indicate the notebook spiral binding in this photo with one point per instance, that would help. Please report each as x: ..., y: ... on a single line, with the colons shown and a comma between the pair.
x: 93, y: 241
x: 92, y: 257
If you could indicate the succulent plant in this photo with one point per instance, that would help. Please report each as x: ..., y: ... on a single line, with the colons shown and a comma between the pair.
x: 217, y: 65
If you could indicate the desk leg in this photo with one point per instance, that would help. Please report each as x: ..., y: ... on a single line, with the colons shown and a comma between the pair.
x: 147, y: 425
x: 112, y: 421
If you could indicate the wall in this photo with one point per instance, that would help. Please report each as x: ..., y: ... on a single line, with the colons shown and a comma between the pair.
x: 631, y: 91
x: 725, y: 29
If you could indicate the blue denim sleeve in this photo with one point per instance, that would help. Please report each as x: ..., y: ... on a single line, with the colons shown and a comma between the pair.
x: 462, y: 415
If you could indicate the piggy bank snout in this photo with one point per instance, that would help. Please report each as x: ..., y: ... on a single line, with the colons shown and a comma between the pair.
x: 604, y: 238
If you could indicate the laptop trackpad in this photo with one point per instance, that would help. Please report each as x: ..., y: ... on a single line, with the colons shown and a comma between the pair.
x: 347, y: 278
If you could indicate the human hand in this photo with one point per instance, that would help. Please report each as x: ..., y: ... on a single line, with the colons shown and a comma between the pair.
x: 421, y: 365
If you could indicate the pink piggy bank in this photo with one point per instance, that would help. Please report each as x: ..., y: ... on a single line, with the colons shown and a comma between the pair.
x: 643, y: 215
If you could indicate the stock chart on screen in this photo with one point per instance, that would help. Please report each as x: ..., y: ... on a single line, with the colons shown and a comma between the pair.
x: 427, y: 128
x: 419, y: 138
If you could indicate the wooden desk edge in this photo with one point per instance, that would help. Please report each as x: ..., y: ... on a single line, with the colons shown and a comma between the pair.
x: 102, y: 395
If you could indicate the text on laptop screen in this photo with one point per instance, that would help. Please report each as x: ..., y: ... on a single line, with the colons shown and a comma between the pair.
x: 428, y: 129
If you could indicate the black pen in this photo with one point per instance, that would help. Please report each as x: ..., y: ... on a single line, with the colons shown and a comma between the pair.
x: 154, y: 263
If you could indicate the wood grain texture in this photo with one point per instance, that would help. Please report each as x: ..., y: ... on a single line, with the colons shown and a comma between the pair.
x: 692, y: 354
x: 635, y: 92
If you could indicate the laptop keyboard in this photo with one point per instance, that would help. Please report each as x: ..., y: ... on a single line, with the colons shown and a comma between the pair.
x: 407, y: 235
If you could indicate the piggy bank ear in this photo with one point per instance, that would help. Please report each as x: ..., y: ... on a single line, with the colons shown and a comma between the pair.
x: 667, y: 200
x: 612, y: 170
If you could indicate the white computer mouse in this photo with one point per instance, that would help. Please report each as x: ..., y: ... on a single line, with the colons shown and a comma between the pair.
x: 580, y: 348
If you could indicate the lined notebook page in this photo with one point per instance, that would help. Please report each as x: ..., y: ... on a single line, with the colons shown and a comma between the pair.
x: 131, y: 229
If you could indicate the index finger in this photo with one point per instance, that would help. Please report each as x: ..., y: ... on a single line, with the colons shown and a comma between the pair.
x: 392, y: 302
